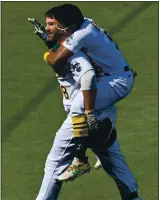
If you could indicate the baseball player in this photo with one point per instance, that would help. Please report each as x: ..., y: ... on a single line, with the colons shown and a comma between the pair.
x: 115, y: 82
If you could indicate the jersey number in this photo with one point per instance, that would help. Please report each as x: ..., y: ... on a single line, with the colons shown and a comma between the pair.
x: 64, y: 92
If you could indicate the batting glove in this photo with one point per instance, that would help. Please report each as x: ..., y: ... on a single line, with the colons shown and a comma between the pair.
x: 39, y: 29
x: 41, y: 32
x: 91, y: 120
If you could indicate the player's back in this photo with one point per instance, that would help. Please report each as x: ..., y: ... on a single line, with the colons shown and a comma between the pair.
x: 96, y: 43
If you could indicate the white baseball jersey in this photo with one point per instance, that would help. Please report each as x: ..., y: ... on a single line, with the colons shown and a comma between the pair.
x: 98, y: 45
x: 78, y: 65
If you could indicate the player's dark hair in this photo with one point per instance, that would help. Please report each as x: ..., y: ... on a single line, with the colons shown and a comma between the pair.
x: 67, y: 14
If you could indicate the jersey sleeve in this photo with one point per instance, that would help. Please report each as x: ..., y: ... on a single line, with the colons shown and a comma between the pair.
x: 76, y: 41
x: 88, y: 80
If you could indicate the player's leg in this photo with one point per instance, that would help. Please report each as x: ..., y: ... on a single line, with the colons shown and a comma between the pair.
x: 110, y: 112
x: 111, y: 89
x: 112, y: 159
x: 59, y: 158
x: 115, y: 165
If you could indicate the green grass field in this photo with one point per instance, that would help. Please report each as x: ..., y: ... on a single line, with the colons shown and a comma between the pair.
x: 32, y: 108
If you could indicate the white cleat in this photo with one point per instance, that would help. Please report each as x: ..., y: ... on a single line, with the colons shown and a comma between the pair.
x: 98, y: 165
x: 76, y: 169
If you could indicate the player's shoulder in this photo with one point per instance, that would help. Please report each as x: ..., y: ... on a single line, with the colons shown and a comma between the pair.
x: 87, y: 25
x: 85, y: 30
x: 82, y: 37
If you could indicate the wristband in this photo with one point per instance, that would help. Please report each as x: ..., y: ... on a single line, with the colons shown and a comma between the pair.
x: 45, y: 56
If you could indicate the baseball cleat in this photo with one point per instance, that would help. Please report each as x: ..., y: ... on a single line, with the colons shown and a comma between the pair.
x: 76, y: 169
x: 98, y: 165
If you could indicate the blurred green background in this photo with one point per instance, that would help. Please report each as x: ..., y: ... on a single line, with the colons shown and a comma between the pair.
x: 32, y: 109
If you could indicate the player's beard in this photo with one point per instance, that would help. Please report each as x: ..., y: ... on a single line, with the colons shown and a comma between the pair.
x: 55, y: 36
